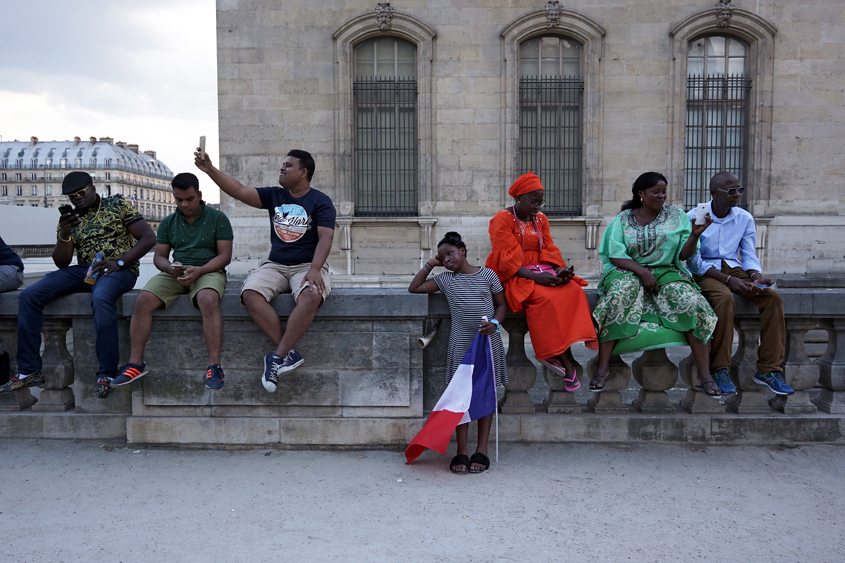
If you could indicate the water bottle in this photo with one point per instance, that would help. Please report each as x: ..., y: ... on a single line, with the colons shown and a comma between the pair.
x: 91, y: 277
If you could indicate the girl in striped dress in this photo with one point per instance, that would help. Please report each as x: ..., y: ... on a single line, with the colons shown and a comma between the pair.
x: 473, y: 292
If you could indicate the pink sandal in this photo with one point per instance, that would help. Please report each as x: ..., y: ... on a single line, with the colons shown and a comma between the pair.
x: 569, y: 383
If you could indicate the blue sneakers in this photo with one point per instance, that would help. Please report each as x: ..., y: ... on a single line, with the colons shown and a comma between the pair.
x: 275, y: 365
x: 214, y: 377
x: 774, y: 381
x: 723, y: 380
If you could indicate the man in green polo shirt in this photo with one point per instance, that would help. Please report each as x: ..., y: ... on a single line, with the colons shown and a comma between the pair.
x: 201, y: 240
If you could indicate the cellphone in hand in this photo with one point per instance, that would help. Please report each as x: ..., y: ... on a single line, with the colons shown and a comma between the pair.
x: 202, y: 147
x: 700, y: 211
x: 64, y: 209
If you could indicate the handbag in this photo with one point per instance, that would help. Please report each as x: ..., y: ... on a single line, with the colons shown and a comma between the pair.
x: 542, y: 269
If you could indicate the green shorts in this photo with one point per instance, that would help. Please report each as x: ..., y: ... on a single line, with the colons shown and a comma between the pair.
x: 167, y: 288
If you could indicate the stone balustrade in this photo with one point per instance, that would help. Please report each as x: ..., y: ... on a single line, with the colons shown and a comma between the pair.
x: 367, y: 382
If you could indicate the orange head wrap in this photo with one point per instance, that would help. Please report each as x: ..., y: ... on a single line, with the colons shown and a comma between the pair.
x: 528, y: 182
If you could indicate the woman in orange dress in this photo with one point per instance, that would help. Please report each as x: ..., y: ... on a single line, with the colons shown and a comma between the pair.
x: 537, y: 281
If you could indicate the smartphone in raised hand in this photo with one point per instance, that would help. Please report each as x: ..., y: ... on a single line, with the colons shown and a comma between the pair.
x: 64, y: 209
x: 202, y: 147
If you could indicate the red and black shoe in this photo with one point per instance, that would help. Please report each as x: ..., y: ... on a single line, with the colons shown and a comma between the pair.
x: 129, y: 373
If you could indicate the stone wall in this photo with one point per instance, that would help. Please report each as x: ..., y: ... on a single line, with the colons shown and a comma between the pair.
x: 284, y: 71
x: 366, y: 382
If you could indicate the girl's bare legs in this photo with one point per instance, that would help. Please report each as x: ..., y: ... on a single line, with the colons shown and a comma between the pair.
x: 484, y: 426
x: 461, y: 434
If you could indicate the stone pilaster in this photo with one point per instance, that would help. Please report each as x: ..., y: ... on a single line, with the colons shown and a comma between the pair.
x: 799, y: 371
x: 521, y: 372
x: 56, y: 396
x: 832, y: 371
x: 609, y: 401
x: 656, y: 374
x: 559, y: 400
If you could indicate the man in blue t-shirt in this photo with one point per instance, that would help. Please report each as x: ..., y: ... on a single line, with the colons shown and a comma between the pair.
x: 302, y: 222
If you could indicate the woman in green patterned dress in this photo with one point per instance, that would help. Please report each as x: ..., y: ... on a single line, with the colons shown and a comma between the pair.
x: 647, y: 298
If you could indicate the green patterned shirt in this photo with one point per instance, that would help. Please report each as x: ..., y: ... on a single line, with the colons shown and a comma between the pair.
x: 105, y: 229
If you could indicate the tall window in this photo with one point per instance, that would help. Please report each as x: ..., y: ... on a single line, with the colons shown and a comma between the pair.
x: 550, y: 101
x: 718, y: 91
x: 385, y: 100
x: 5, y: 190
x: 33, y: 190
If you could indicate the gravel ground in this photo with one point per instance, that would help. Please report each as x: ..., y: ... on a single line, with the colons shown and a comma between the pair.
x: 87, y: 501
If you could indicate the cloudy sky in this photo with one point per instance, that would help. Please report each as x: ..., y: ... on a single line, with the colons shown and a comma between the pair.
x: 143, y: 72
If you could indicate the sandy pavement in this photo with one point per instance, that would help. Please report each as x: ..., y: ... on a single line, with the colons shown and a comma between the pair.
x: 87, y: 501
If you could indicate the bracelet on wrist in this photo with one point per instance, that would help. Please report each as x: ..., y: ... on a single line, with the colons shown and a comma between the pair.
x: 69, y: 238
x: 427, y: 267
x: 495, y: 322
x: 728, y: 279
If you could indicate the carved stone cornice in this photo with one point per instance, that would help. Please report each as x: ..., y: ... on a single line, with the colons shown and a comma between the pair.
x: 384, y: 15
x: 724, y: 13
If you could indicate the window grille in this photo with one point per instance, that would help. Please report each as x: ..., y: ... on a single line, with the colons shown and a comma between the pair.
x: 386, y: 140
x: 718, y: 93
x: 550, y: 120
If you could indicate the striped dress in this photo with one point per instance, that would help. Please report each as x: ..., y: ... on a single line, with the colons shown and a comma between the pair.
x: 470, y: 297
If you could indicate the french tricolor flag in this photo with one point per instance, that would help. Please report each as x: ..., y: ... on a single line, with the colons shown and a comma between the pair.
x: 469, y: 396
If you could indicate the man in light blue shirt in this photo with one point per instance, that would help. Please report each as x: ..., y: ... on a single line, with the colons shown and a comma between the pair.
x: 726, y: 264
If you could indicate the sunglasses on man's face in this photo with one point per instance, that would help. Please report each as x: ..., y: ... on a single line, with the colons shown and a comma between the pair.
x: 732, y: 191
x: 78, y: 193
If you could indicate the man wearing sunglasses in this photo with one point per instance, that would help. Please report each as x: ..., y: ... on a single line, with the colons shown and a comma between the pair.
x: 720, y: 274
x: 109, y: 226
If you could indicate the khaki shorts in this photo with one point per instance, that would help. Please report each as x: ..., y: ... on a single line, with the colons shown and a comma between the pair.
x: 271, y: 279
x: 167, y: 288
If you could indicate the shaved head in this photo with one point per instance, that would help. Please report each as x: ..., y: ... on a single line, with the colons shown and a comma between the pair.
x: 719, y: 180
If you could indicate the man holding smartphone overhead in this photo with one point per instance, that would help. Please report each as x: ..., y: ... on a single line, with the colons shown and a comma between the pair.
x: 302, y: 222
x: 720, y: 274
x: 201, y: 239
x: 96, y: 225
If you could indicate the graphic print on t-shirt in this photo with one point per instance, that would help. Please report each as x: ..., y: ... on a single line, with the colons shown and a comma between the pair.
x: 290, y: 222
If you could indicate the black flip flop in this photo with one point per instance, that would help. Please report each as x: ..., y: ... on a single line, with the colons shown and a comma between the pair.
x: 481, y: 459
x: 460, y: 460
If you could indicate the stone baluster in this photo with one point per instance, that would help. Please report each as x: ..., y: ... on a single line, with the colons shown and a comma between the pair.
x: 696, y: 401
x: 22, y: 398
x: 832, y: 371
x: 522, y: 374
x: 799, y: 370
x: 656, y: 373
x: 559, y: 400
x: 609, y: 401
x: 749, y: 398
x: 56, y: 396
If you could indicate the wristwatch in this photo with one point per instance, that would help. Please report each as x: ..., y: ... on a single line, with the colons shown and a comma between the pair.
x: 120, y: 263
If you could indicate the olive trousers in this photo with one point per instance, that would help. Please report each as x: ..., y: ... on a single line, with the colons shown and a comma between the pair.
x: 773, y: 327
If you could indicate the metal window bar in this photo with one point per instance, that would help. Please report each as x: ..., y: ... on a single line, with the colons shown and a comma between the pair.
x: 716, y: 133
x: 385, y: 154
x: 550, y: 139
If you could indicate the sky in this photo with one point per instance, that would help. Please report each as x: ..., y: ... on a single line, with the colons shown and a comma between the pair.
x: 143, y: 73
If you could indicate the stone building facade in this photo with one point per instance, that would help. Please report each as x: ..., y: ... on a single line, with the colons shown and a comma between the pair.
x: 31, y: 173
x: 420, y: 113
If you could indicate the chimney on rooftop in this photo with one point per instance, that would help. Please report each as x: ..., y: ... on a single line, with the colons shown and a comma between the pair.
x: 33, y: 141
x: 76, y: 141
x: 121, y: 144
x: 108, y: 140
x: 133, y: 148
x: 92, y: 140
x: 151, y: 154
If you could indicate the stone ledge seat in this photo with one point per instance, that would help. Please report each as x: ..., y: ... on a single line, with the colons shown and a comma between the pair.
x: 365, y: 381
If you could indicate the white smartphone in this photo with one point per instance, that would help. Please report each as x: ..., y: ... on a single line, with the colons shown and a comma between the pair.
x: 700, y: 211
x: 202, y: 147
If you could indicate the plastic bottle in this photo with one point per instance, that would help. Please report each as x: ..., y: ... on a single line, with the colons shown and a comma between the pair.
x: 91, y: 277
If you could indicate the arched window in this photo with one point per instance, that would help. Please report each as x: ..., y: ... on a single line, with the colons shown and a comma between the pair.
x: 718, y: 93
x: 384, y: 91
x: 550, y: 101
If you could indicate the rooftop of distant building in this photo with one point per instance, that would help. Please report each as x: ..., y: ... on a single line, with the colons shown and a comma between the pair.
x: 92, y: 154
